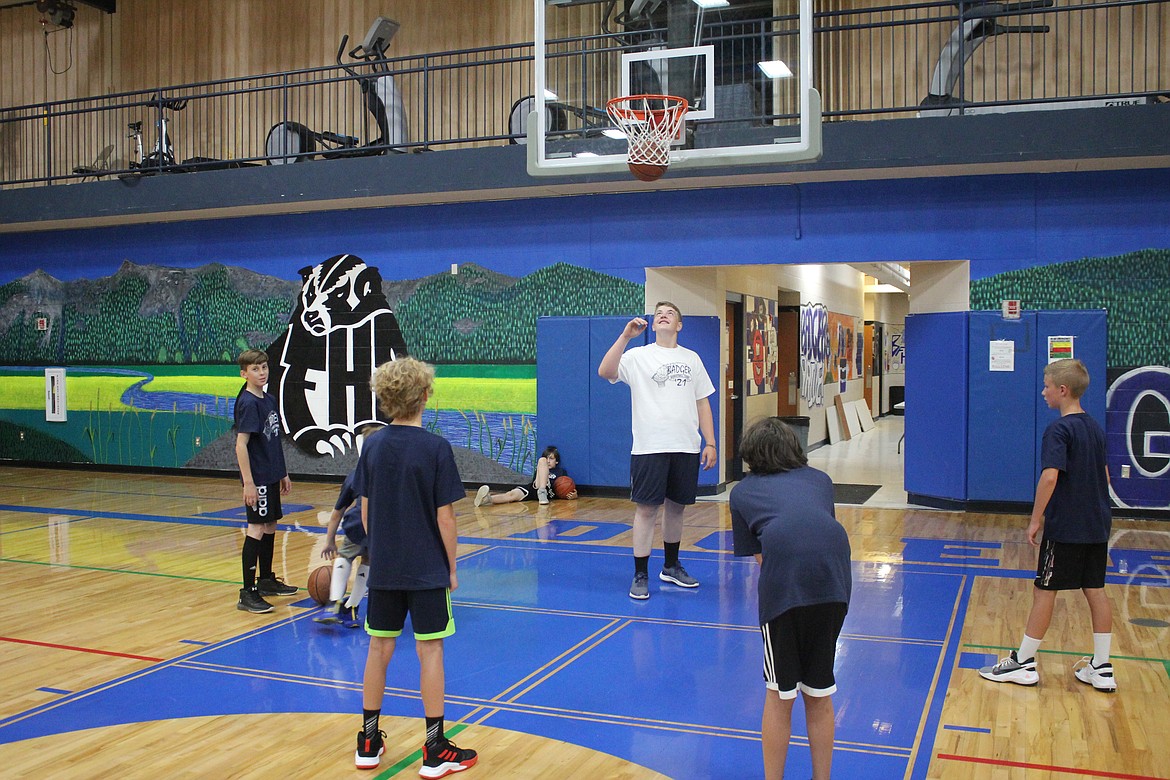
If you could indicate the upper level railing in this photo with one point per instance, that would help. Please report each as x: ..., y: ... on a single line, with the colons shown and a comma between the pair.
x: 887, y: 61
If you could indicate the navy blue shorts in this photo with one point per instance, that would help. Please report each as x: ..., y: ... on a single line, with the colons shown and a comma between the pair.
x: 661, y: 475
x: 429, y: 610
x: 1068, y: 566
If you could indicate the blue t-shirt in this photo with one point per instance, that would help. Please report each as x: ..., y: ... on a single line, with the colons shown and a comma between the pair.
x: 351, y: 521
x: 1079, y: 511
x: 789, y: 517
x: 406, y: 474
x: 260, y: 418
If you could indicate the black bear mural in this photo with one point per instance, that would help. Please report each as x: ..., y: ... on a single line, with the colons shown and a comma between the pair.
x: 341, y: 329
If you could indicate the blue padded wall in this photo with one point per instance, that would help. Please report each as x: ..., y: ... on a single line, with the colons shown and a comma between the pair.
x: 1090, y: 330
x: 609, y: 409
x: 702, y: 334
x: 936, y: 405
x: 1001, y: 445
x: 587, y: 417
x: 562, y: 392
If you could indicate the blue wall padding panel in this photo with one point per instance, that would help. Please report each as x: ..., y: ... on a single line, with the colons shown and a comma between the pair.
x: 587, y: 417
x: 936, y: 405
x: 1001, y: 411
x: 609, y: 407
x: 562, y: 392
x: 702, y: 334
x: 1090, y: 330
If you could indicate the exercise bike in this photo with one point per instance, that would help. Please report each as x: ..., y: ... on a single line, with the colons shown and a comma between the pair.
x: 162, y: 156
x: 290, y: 142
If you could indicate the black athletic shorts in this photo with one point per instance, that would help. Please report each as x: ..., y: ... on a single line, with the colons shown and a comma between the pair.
x: 800, y: 648
x: 1068, y: 566
x: 429, y: 610
x: 660, y: 475
x: 267, y: 509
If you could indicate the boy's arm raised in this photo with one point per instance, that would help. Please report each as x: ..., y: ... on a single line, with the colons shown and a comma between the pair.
x: 609, y: 364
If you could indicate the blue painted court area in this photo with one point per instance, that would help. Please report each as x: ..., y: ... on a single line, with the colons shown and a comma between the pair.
x: 549, y: 643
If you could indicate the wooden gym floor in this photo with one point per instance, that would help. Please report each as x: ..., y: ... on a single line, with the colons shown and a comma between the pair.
x: 123, y: 653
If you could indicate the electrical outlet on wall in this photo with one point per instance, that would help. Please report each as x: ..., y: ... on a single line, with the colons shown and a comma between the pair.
x: 1125, y: 471
x: 22, y: 435
x: 198, y: 441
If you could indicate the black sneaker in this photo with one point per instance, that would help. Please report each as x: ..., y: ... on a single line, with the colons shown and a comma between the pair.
x: 274, y: 586
x: 444, y: 759
x: 250, y: 601
x: 369, y: 751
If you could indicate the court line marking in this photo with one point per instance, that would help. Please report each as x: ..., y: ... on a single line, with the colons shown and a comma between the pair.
x: 79, y: 514
x: 975, y: 729
x: 406, y: 761
x: 108, y: 684
x: 1048, y: 767
x: 76, y: 648
x: 1074, y: 652
x: 108, y: 570
x: 932, y: 712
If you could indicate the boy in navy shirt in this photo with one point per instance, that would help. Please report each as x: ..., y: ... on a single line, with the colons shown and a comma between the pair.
x: 783, y: 514
x: 1072, y: 508
x: 265, y: 478
x: 408, y: 481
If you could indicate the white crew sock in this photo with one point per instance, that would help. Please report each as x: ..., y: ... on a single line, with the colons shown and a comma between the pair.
x: 1028, y: 648
x: 1101, y: 643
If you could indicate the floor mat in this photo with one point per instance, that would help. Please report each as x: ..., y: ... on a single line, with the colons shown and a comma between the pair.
x: 853, y: 494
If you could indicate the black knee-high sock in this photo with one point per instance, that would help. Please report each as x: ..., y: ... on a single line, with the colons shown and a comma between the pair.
x: 267, y: 546
x: 370, y: 723
x: 642, y: 564
x: 248, y: 558
x: 671, y: 551
x: 435, y: 734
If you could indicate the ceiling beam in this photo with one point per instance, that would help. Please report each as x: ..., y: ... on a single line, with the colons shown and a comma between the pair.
x: 109, y: 6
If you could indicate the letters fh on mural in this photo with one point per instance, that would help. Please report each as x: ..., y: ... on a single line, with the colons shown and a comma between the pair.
x: 341, y: 329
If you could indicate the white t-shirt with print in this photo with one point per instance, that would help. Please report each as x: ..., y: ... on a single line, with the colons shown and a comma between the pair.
x: 664, y: 386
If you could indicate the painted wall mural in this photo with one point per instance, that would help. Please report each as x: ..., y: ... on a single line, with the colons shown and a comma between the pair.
x: 1135, y: 290
x: 760, y: 344
x: 320, y: 367
x: 151, y: 374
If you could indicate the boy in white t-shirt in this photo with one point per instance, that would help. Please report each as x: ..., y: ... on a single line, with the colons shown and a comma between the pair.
x: 669, y: 388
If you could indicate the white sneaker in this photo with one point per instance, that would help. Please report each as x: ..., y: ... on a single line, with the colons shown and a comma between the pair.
x: 1012, y: 670
x: 482, y: 496
x: 1100, y: 677
x: 542, y: 496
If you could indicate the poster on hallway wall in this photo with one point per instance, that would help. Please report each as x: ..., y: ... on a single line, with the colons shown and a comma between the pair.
x: 760, y: 345
x: 844, y: 333
x: 894, y: 350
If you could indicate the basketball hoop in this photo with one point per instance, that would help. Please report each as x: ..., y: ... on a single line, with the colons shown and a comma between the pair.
x: 651, y: 123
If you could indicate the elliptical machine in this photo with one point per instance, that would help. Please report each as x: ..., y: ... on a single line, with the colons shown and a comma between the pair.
x: 290, y: 142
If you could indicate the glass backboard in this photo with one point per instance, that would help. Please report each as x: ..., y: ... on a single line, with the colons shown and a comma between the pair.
x: 744, y: 67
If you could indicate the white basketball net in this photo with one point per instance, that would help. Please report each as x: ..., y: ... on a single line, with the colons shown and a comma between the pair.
x: 651, y: 123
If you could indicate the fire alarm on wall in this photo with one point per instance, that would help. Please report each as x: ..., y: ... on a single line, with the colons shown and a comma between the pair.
x: 42, y: 323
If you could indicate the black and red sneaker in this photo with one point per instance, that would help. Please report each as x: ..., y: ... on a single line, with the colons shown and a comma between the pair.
x: 445, y: 758
x: 369, y: 751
